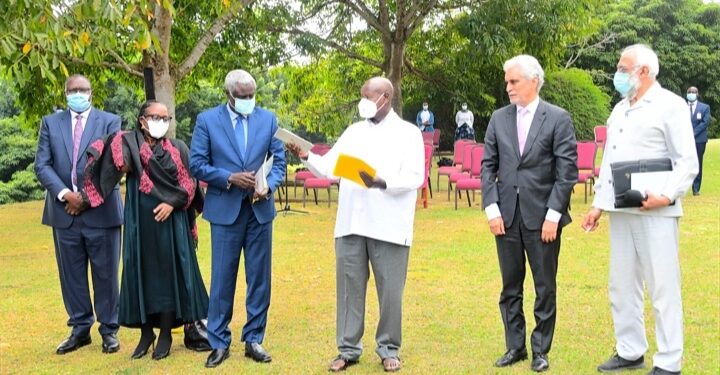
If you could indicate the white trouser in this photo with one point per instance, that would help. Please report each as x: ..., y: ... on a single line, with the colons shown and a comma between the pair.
x: 645, y: 248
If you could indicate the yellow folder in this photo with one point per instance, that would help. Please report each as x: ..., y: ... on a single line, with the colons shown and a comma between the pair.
x: 349, y: 167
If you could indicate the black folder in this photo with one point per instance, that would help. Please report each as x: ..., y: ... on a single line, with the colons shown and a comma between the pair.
x: 622, y: 174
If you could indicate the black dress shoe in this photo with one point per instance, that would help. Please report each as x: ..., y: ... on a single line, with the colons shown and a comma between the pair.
x: 658, y: 371
x: 256, y: 352
x: 512, y: 356
x: 73, y: 343
x: 540, y: 362
x: 216, y: 357
x: 617, y: 363
x: 110, y: 343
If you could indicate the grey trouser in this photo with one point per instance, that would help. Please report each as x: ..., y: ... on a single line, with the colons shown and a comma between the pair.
x: 389, y: 264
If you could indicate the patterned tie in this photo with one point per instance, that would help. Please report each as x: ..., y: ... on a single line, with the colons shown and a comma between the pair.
x: 522, y: 128
x: 240, y: 135
x: 77, y: 135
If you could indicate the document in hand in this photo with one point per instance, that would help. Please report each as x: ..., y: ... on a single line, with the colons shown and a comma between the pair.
x: 649, y: 181
x: 286, y: 136
x: 261, y: 175
x: 349, y: 167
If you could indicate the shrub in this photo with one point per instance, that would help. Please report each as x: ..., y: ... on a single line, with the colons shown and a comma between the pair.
x: 574, y: 90
x: 23, y: 186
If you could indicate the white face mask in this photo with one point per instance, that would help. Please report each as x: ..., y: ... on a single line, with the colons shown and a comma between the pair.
x: 425, y: 107
x: 157, y: 129
x: 367, y: 109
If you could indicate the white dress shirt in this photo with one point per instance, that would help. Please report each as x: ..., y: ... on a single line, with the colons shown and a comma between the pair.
x: 73, y: 120
x: 656, y: 126
x: 395, y: 149
x: 493, y: 211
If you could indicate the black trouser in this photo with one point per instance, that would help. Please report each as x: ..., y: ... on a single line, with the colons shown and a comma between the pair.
x: 700, y: 147
x: 543, y: 258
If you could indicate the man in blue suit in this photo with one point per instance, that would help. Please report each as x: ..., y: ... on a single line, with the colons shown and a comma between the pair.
x: 229, y: 144
x: 700, y: 117
x: 81, y: 235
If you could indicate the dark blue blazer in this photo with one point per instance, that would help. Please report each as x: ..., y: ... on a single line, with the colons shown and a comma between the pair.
x: 214, y: 155
x: 700, y: 125
x: 53, y: 167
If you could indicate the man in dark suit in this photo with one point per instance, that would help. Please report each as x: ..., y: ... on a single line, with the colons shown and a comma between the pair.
x: 528, y: 172
x: 81, y: 235
x: 229, y: 144
x: 700, y: 117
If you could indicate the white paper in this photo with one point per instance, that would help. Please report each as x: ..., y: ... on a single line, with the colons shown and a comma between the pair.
x: 261, y: 175
x: 289, y: 137
x: 649, y: 181
x: 699, y: 116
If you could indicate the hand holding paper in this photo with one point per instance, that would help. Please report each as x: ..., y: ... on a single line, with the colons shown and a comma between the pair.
x: 350, y: 167
x: 288, y: 137
x: 261, y: 183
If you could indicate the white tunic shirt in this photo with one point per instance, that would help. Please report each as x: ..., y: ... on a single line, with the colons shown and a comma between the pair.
x: 656, y: 126
x: 395, y: 149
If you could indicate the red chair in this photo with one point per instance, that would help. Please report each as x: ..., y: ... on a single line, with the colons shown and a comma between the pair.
x: 466, y: 165
x: 314, y: 184
x: 426, y: 186
x: 586, y: 164
x: 474, y: 182
x: 600, y: 135
x: 300, y: 177
x: 436, y: 142
x: 457, y: 161
x: 427, y: 137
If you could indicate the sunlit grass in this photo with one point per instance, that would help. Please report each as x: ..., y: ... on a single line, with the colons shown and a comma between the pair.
x: 451, y: 320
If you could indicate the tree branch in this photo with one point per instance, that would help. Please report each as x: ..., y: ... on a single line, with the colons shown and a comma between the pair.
x: 192, y: 59
x: 124, y: 66
x: 334, y: 45
x: 361, y: 10
x: 606, y: 39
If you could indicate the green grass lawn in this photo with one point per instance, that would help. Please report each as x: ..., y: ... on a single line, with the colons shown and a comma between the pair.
x: 451, y: 319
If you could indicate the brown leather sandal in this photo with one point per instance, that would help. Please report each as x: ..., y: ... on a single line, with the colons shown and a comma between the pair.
x: 391, y: 364
x: 340, y: 364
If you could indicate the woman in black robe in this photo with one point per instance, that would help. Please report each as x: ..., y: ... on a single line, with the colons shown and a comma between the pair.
x: 161, y: 282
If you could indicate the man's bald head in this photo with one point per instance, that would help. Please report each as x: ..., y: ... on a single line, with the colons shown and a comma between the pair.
x: 378, y: 90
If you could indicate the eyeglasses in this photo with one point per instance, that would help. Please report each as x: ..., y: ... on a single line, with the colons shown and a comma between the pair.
x: 625, y: 69
x: 158, y: 118
x: 78, y: 90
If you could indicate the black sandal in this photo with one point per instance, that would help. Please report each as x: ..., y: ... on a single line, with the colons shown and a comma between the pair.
x: 346, y: 363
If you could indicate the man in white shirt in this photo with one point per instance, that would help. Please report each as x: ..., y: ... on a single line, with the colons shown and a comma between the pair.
x: 374, y: 222
x: 650, y: 122
x: 528, y: 171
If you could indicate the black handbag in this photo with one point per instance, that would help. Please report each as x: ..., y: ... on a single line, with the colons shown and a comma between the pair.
x: 622, y: 174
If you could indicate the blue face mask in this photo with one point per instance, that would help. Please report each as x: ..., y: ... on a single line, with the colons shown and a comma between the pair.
x: 78, y: 102
x: 622, y: 83
x: 244, y: 106
x: 691, y: 97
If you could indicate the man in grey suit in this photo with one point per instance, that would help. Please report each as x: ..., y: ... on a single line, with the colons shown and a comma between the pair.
x: 81, y: 235
x: 528, y: 172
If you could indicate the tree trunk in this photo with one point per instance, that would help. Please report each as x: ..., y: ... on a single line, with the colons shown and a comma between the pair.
x: 165, y: 93
x: 394, y: 74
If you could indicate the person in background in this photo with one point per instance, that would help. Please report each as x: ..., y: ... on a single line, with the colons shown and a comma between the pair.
x: 700, y: 118
x: 161, y: 282
x: 464, y: 120
x: 374, y: 222
x: 649, y: 122
x: 425, y: 119
x: 83, y: 236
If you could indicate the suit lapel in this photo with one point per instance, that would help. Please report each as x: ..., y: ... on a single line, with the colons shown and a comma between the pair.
x: 66, y: 126
x: 535, y: 126
x: 227, y: 125
x: 512, y: 129
x: 91, y: 126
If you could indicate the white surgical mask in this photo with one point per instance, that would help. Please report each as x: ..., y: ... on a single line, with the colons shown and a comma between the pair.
x: 367, y: 109
x: 425, y: 107
x: 157, y: 129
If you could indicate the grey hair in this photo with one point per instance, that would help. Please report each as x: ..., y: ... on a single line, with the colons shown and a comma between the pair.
x: 529, y: 66
x: 76, y: 76
x: 644, y: 56
x: 238, y: 76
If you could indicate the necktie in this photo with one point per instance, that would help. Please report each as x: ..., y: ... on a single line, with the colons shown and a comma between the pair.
x: 240, y: 135
x: 522, y: 128
x: 77, y: 136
